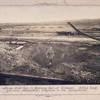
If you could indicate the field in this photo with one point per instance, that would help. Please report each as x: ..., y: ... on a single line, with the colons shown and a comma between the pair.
x: 76, y: 58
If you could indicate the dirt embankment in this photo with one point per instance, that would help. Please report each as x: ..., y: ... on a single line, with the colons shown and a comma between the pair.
x: 73, y: 62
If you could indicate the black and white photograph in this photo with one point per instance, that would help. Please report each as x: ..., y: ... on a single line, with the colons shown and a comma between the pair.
x: 49, y: 44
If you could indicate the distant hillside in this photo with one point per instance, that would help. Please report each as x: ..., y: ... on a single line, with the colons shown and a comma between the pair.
x: 84, y: 23
x: 87, y: 22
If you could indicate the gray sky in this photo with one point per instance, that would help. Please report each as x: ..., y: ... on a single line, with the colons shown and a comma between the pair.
x: 11, y: 14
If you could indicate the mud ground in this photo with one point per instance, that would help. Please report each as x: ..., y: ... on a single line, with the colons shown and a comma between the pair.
x: 75, y: 62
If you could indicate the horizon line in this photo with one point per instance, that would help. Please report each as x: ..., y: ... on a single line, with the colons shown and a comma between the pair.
x: 51, y: 21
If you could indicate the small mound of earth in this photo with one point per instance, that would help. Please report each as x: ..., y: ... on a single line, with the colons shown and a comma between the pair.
x: 26, y: 69
x: 62, y: 69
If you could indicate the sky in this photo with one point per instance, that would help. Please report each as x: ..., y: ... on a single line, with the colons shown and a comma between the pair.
x: 31, y: 14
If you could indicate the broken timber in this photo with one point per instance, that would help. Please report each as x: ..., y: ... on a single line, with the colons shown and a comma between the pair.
x: 31, y: 77
x: 81, y: 33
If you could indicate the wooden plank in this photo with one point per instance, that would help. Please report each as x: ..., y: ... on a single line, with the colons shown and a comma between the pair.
x: 29, y: 76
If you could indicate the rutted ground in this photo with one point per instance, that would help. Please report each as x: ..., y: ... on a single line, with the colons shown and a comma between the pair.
x: 76, y: 62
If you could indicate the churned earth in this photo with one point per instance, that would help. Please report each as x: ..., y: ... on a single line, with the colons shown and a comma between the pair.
x: 75, y: 62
